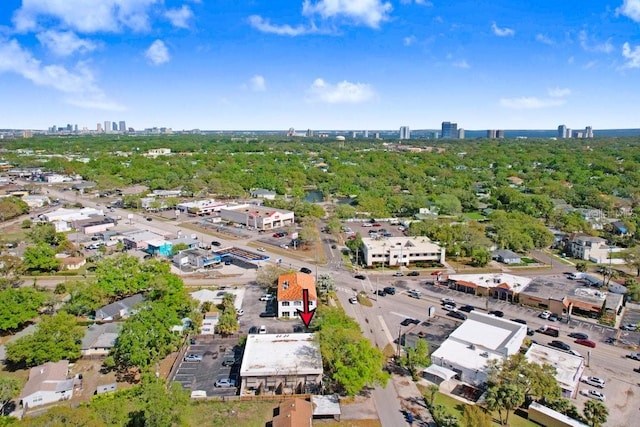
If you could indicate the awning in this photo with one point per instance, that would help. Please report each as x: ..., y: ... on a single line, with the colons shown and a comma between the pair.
x: 440, y: 372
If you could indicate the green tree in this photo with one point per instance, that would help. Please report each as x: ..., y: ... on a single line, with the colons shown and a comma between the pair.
x: 448, y: 204
x: 11, y: 268
x: 56, y: 337
x: 46, y: 233
x: 178, y: 248
x: 12, y: 207
x: 40, y: 258
x: 431, y: 392
x: 9, y: 388
x: 474, y: 416
x: 267, y: 276
x: 581, y: 266
x: 480, y: 257
x: 632, y: 257
x: 595, y: 412
x: 504, y: 397
x: 84, y: 298
x: 161, y: 404
x: 416, y: 357
x: 19, y: 306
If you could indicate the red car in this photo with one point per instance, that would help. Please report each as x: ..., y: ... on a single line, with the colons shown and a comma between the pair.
x: 587, y: 343
x: 376, y: 224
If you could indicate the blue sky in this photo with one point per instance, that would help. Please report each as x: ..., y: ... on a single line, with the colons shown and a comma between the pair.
x: 320, y: 64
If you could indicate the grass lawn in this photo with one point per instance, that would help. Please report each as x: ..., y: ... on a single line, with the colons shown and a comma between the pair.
x: 233, y: 413
x: 455, y: 408
x: 475, y: 216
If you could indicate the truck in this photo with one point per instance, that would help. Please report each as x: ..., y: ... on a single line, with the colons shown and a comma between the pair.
x: 576, y: 276
x: 549, y: 330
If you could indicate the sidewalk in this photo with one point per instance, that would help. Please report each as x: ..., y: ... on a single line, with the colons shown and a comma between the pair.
x: 411, y: 400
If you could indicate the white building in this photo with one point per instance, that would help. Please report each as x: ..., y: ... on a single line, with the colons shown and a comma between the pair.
x: 395, y: 251
x: 262, y: 193
x: 479, y: 339
x: 569, y: 367
x: 259, y: 217
x: 47, y: 383
x: 281, y: 364
x: 201, y: 207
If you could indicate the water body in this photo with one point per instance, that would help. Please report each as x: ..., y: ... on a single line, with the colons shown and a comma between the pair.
x: 313, y: 196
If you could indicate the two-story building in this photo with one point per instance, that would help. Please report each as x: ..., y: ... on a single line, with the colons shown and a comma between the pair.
x: 586, y: 247
x: 398, y: 251
x: 289, y: 297
x: 259, y: 217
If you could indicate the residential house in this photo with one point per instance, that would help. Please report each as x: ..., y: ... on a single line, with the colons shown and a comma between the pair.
x: 290, y: 289
x: 261, y: 193
x: 119, y: 309
x: 586, y: 247
x: 72, y: 263
x: 99, y: 339
x: 294, y: 413
x: 619, y: 228
x: 47, y: 383
x: 506, y: 256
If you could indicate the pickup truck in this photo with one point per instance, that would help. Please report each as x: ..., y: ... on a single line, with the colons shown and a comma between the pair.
x: 549, y: 330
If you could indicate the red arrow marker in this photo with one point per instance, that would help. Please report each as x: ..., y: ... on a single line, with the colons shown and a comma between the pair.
x: 306, y: 315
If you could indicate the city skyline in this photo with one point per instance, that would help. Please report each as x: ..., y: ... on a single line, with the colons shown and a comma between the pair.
x: 320, y: 64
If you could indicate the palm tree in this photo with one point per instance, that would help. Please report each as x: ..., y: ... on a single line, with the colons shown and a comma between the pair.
x: 432, y: 389
x: 595, y: 413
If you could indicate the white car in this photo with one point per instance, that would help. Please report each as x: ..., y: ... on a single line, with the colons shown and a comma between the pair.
x: 261, y: 249
x: 262, y: 329
x: 266, y: 297
x: 449, y: 307
x: 193, y: 358
x: 545, y: 314
x: 594, y: 381
x: 593, y: 394
x: 353, y: 300
x: 448, y: 300
x: 225, y: 382
x: 239, y: 312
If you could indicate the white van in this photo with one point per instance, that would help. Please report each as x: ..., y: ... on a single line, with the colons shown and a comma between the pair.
x: 414, y: 293
x: 576, y: 276
x: 199, y: 394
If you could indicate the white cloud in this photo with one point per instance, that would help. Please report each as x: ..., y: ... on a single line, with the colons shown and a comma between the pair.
x: 257, y: 83
x: 632, y: 56
x: 502, y: 32
x: 418, y: 2
x: 408, y: 41
x: 630, y: 9
x: 461, y: 64
x: 559, y: 92
x: 157, y: 53
x: 179, y: 17
x: 78, y: 84
x: 544, y: 39
x: 85, y: 16
x: 591, y: 45
x: 343, y: 92
x: 65, y: 43
x: 530, y: 103
x: 367, y: 12
x: 264, y: 25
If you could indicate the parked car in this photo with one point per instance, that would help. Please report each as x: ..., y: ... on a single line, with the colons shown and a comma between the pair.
x: 629, y: 327
x: 225, y: 382
x: 360, y: 276
x: 409, y: 321
x: 268, y: 314
x: 594, y: 381
x: 413, y: 273
x: 239, y: 312
x: 262, y: 329
x: 561, y: 345
x: 496, y: 313
x: 261, y: 249
x: 457, y: 315
x: 449, y: 306
x: 586, y: 343
x: 593, y: 394
x: 554, y: 317
x: 579, y: 335
x: 390, y: 290
x: 228, y: 361
x: 216, y: 243
x: 380, y: 292
x: 193, y: 357
x: 545, y: 314
x: 467, y: 308
x: 266, y: 297
x: 398, y: 274
x: 448, y: 301
x: 353, y: 300
x: 305, y: 270
x: 521, y: 321
x: 634, y: 356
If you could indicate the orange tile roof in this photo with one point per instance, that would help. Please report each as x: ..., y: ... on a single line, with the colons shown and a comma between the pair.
x: 294, y: 413
x: 290, y: 286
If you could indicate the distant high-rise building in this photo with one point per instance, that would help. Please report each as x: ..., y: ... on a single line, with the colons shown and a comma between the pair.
x: 562, y: 132
x: 354, y: 134
x: 291, y: 132
x: 491, y: 133
x: 376, y: 135
x: 434, y: 135
x: 114, y: 126
x: 588, y: 132
x: 99, y: 128
x: 75, y: 128
x: 460, y: 133
x: 310, y: 133
x: 449, y: 130
x: 122, y: 126
x: 568, y: 133
x: 107, y: 126
x: 500, y: 134
x: 405, y: 132
x: 366, y: 134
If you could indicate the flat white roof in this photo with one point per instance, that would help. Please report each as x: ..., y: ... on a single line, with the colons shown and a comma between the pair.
x: 483, y: 330
x: 412, y: 244
x: 569, y: 367
x: 489, y: 280
x: 281, y: 354
x: 462, y: 354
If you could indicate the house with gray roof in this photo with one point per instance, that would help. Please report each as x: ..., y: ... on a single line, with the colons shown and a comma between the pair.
x: 99, y: 339
x: 119, y: 309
